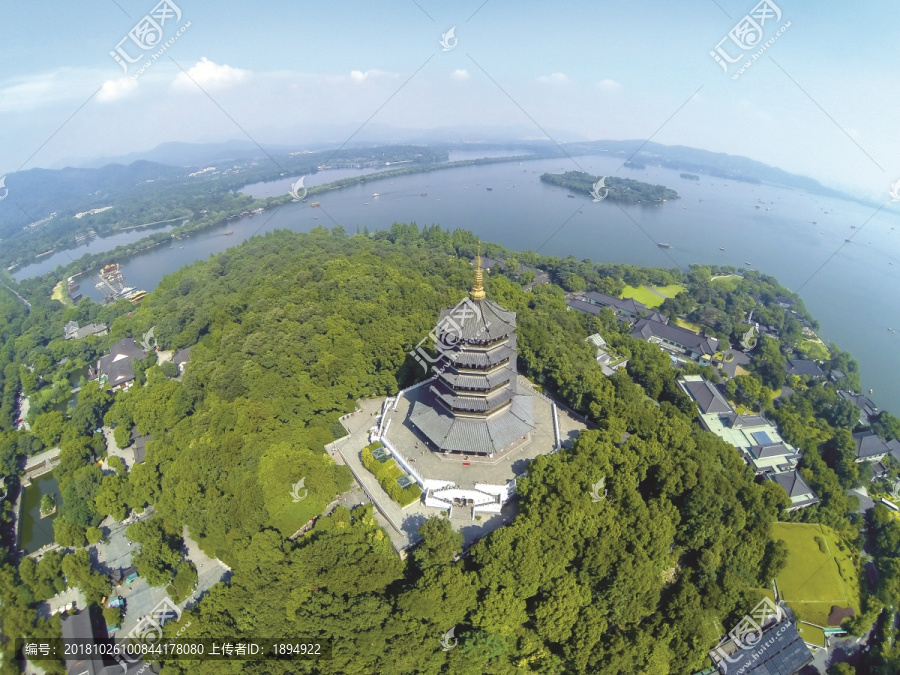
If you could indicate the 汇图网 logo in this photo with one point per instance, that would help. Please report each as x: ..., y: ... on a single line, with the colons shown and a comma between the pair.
x: 448, y: 641
x: 747, y: 34
x: 298, y: 192
x: 600, y: 185
x: 449, y: 40
x: 449, y: 333
x: 298, y: 491
x: 598, y: 491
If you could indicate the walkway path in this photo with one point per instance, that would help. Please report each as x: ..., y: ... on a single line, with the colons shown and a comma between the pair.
x: 24, y: 301
x: 23, y: 413
x: 656, y: 292
x: 348, y: 448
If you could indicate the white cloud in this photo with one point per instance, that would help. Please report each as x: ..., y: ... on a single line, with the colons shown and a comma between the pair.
x: 360, y: 76
x: 210, y: 75
x: 460, y: 74
x: 46, y: 89
x: 115, y: 89
x: 554, y: 78
x: 609, y: 84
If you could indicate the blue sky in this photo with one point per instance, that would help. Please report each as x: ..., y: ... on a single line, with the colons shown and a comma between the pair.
x: 299, y: 72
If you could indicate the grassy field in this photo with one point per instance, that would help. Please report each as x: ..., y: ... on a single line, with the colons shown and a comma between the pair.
x: 730, y: 282
x: 814, y: 349
x: 61, y: 295
x: 646, y: 296
x: 671, y: 290
x: 813, y: 581
x: 811, y: 634
x: 684, y: 323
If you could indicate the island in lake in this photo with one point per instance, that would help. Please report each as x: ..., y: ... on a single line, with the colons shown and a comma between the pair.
x: 620, y: 189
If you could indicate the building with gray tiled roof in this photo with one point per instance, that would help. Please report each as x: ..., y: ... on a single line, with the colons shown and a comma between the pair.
x: 753, y: 435
x: 116, y: 369
x: 473, y: 405
x: 624, y: 306
x: 676, y: 339
x: 609, y: 361
x: 871, y: 448
x: 804, y: 368
x: 779, y: 651
x: 73, y: 332
x: 733, y: 360
x: 799, y: 492
x: 704, y: 394
x: 868, y: 410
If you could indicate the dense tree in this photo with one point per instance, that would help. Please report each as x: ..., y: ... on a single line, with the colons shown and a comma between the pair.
x: 440, y: 543
x: 289, y: 329
x: 769, y: 363
x: 77, y: 568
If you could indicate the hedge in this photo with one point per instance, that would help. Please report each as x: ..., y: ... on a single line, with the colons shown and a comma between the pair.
x: 387, y: 474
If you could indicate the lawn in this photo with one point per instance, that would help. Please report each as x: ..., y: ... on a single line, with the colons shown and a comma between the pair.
x: 684, y: 323
x: 811, y: 634
x: 729, y: 282
x: 671, y: 290
x: 814, y: 349
x: 645, y: 295
x: 61, y: 295
x: 813, y: 581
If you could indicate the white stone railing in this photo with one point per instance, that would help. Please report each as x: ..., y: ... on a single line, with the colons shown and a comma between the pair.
x: 556, y: 432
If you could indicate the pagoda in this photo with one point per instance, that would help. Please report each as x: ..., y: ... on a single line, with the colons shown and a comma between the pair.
x: 472, y: 405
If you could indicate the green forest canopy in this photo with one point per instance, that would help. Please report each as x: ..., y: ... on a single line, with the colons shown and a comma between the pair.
x: 287, y: 331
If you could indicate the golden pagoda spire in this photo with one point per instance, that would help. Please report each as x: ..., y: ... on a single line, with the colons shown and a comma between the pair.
x: 477, y: 292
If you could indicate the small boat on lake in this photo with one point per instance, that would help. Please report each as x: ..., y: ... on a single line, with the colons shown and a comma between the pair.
x: 664, y: 245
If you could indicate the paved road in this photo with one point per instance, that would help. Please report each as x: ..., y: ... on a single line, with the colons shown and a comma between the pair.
x: 51, y: 606
x: 865, y: 501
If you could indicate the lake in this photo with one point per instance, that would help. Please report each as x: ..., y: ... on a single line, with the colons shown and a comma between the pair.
x: 855, y: 296
x: 35, y: 531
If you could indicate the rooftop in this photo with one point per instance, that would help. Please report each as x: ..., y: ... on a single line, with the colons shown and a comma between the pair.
x: 480, y: 320
x: 629, y: 305
x: 455, y: 433
x: 704, y: 394
x: 868, y: 444
x: 864, y: 403
x: 583, y: 306
x: 743, y: 435
x: 785, y: 655
x: 797, y: 489
x: 118, y: 365
x: 182, y: 356
x: 645, y: 329
x: 804, y: 367
x: 738, y: 360
x: 73, y: 332
x: 466, y: 470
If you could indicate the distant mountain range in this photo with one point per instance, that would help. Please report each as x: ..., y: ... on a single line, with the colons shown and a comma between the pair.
x: 39, y: 192
x: 722, y: 165
x: 731, y: 167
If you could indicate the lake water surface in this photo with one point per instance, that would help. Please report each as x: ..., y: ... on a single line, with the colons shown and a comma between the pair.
x: 35, y: 531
